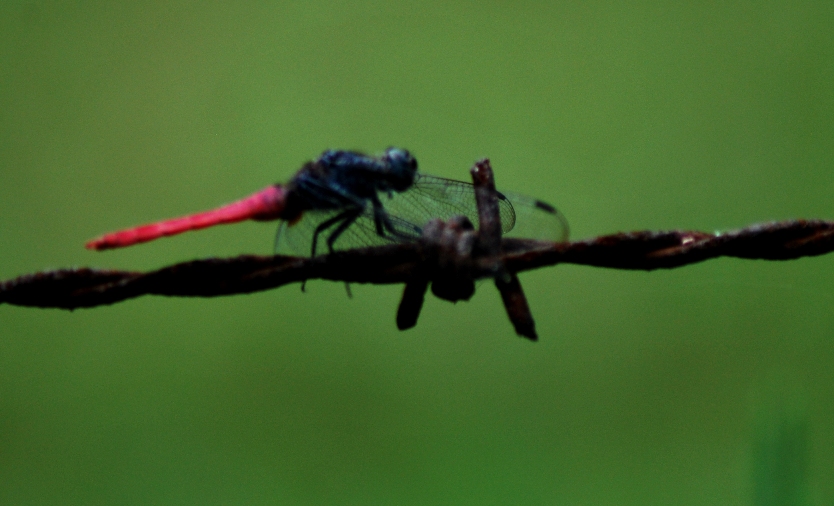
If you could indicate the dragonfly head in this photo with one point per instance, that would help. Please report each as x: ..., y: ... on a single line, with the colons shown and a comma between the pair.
x: 403, y: 168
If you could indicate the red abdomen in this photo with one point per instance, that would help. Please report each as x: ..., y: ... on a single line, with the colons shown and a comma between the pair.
x: 267, y: 204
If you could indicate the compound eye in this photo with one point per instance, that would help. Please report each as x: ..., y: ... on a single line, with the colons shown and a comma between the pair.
x: 396, y: 154
x: 403, y: 168
x: 400, y: 158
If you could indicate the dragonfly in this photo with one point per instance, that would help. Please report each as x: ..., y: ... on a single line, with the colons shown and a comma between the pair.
x: 349, y: 199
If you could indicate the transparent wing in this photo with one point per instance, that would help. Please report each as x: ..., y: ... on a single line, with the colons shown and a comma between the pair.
x: 521, y: 216
x: 436, y: 197
x: 429, y: 197
x: 297, y: 238
x: 536, y: 219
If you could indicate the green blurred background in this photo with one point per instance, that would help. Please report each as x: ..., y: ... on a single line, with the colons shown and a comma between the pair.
x: 710, y: 384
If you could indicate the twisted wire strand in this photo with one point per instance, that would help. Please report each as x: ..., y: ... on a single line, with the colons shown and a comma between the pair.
x: 645, y: 250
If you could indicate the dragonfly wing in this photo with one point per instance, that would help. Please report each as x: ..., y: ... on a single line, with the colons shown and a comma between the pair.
x: 436, y: 197
x: 536, y: 219
x: 429, y: 197
x: 297, y: 238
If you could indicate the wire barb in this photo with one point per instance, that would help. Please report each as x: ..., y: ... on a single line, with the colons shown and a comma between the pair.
x: 450, y: 257
x: 489, y: 242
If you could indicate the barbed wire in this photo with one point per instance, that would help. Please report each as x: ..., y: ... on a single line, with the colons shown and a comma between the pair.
x: 450, y: 256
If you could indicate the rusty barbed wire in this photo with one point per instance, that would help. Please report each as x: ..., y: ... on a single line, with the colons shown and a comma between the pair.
x: 449, y: 258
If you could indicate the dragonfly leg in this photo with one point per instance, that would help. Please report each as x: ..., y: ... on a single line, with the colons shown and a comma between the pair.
x: 379, y: 215
x: 348, y: 221
x: 352, y: 215
x: 344, y: 215
x: 384, y: 224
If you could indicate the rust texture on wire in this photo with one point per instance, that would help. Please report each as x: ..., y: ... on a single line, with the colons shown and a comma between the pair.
x: 449, y: 258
